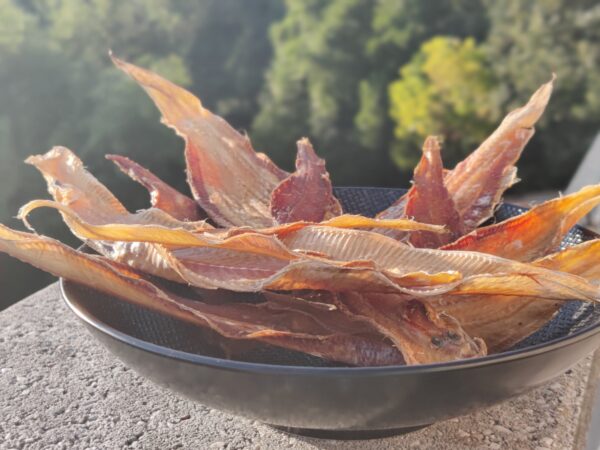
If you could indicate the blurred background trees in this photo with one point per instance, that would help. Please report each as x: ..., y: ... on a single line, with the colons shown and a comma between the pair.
x: 365, y: 80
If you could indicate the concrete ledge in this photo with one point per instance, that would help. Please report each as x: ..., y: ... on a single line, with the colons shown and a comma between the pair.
x: 60, y: 389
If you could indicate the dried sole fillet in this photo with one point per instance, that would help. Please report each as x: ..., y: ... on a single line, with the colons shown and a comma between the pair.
x: 535, y: 232
x: 228, y: 179
x: 503, y: 321
x: 330, y: 335
x: 477, y: 183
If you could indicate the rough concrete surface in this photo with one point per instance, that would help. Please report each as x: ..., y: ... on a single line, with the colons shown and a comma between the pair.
x: 60, y: 389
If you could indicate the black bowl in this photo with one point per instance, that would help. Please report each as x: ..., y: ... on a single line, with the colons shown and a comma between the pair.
x: 308, y: 395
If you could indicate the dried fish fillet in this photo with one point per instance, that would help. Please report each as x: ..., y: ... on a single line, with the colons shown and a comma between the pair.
x: 321, y: 257
x: 477, y: 183
x: 422, y: 335
x: 71, y: 185
x: 162, y: 196
x: 331, y: 335
x: 503, y: 321
x: 306, y: 195
x: 228, y: 179
x: 481, y: 273
x: 429, y: 201
x: 533, y: 233
x: 150, y: 233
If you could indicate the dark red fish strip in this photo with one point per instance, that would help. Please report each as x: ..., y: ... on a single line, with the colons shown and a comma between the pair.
x: 162, y: 196
x: 428, y: 200
x: 306, y: 195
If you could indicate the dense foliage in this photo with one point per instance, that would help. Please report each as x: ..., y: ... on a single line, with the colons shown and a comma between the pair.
x: 365, y: 80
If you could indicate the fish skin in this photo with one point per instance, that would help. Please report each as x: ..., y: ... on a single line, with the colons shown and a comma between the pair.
x: 429, y: 201
x: 331, y: 335
x: 535, y: 232
x: 421, y: 334
x: 477, y: 183
x: 481, y: 273
x: 162, y: 196
x: 73, y: 187
x: 228, y: 179
x: 321, y: 257
x: 70, y: 184
x: 307, y: 194
x: 503, y: 321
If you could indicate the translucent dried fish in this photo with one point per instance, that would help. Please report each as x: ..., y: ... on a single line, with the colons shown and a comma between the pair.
x: 503, y: 321
x: 422, y: 335
x: 277, y: 321
x: 228, y: 179
x: 534, y: 233
x: 477, y: 183
x: 162, y: 196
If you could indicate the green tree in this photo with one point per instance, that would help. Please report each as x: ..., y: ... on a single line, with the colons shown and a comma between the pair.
x: 229, y: 54
x: 58, y: 87
x: 446, y: 89
x: 333, y: 61
x: 527, y: 42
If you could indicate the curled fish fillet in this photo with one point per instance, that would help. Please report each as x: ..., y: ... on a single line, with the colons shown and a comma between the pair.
x: 503, y: 321
x: 162, y: 196
x: 277, y: 321
x: 228, y: 179
x: 477, y: 183
x: 321, y: 257
x: 422, y: 335
x: 71, y: 185
x: 534, y: 233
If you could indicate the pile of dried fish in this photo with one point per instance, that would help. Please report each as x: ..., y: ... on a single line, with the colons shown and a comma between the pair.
x: 423, y: 282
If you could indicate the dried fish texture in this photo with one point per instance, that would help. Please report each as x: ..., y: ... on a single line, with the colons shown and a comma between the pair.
x: 228, y: 179
x: 477, y: 183
x: 71, y: 185
x: 534, y: 233
x: 481, y: 273
x: 429, y: 201
x: 162, y: 196
x: 422, y: 335
x: 307, y: 194
x: 281, y: 322
x: 503, y: 321
x: 322, y: 257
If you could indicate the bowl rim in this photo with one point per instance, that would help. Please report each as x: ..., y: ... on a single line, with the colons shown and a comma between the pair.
x: 282, y: 369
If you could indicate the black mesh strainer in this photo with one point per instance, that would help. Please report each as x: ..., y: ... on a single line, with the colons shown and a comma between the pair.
x: 292, y: 389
